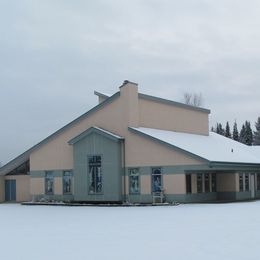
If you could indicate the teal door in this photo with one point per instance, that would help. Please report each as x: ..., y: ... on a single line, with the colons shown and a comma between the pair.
x: 10, y: 190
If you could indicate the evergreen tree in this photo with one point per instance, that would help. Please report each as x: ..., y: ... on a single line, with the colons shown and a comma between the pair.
x: 242, y: 135
x: 248, y: 133
x: 227, y: 132
x: 235, y: 132
x: 219, y: 129
x: 257, y: 133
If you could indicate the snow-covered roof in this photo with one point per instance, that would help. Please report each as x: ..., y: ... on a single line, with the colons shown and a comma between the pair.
x: 256, y: 150
x: 214, y: 147
x: 108, y: 132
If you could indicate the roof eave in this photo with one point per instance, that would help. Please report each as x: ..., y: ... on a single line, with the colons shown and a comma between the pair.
x: 13, y: 163
x: 98, y: 130
x: 214, y: 164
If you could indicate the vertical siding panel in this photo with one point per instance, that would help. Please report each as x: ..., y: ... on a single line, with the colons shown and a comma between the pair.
x: 95, y: 144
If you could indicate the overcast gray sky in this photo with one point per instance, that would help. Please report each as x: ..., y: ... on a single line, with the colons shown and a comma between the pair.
x: 54, y: 54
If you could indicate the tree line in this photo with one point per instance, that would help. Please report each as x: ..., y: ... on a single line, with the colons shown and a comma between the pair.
x: 245, y: 135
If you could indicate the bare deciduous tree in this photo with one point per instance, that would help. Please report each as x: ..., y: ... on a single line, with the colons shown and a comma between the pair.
x: 193, y: 99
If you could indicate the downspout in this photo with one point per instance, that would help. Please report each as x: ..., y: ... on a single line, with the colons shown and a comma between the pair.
x: 124, y: 169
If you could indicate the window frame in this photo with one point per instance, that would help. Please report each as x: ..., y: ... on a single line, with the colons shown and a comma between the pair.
x: 161, y: 179
x: 247, y: 182
x: 101, y: 174
x: 49, y: 175
x: 207, y: 180
x: 213, y: 182
x: 130, y: 175
x: 63, y: 182
x: 241, y: 182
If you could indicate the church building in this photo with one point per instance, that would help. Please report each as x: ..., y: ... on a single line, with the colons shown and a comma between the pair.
x: 134, y: 148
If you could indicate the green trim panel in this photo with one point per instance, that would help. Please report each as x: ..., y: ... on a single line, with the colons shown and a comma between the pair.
x: 235, y: 166
x: 245, y: 195
x: 172, y: 198
x: 37, y: 174
x: 193, y: 169
x: 111, y: 168
x: 41, y: 174
x: 195, y: 197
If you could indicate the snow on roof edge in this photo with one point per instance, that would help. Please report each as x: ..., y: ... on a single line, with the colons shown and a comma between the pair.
x: 214, y: 147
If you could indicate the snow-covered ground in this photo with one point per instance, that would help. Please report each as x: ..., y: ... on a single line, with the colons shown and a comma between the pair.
x: 198, y: 231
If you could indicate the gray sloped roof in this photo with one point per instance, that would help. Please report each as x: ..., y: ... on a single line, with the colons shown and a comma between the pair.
x: 98, y: 130
x: 26, y: 155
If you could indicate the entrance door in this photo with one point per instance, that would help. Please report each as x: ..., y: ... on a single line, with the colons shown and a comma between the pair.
x: 10, y: 190
x: 252, y: 185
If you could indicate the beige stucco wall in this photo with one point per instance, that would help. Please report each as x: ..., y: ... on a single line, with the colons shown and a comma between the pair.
x: 2, y: 189
x: 130, y: 104
x: 116, y: 117
x: 237, y: 181
x: 58, y: 154
x: 146, y: 184
x: 58, y: 189
x: 168, y: 117
x: 22, y: 187
x: 142, y: 151
x: 174, y: 184
x: 194, y: 183
x: 226, y: 182
x: 37, y: 186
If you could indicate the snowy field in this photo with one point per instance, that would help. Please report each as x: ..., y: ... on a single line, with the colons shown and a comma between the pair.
x: 198, y: 231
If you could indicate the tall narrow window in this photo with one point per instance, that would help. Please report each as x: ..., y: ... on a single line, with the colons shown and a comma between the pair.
x: 95, y: 174
x: 247, y: 182
x: 213, y: 182
x: 207, y: 189
x: 199, y: 183
x: 49, y: 182
x: 157, y: 180
x: 134, y: 181
x: 67, y: 182
x: 188, y: 183
x: 258, y: 181
x: 241, y: 182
